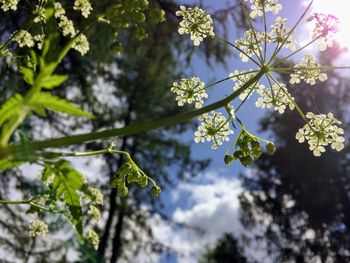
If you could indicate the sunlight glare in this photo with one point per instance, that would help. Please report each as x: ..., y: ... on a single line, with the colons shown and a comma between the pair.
x: 340, y: 9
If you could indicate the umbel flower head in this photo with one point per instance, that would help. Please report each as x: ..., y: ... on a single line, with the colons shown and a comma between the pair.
x: 242, y: 77
x: 308, y: 70
x: 325, y: 28
x: 189, y: 91
x: 280, y: 34
x: 213, y: 127
x: 24, y: 38
x: 38, y: 228
x: 195, y: 22
x: 276, y: 96
x: 258, y: 7
x: 250, y: 44
x: 7, y: 5
x: 320, y: 131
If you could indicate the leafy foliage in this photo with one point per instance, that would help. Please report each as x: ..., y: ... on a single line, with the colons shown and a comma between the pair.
x: 51, y: 102
x: 10, y: 108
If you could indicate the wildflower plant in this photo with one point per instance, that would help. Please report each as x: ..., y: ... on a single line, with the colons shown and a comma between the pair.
x: 66, y: 191
x: 263, y: 49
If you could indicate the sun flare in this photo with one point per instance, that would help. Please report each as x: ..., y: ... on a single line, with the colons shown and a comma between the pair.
x: 340, y: 9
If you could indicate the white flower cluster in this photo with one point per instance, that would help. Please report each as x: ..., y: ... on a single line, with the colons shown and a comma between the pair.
x: 38, y: 228
x: 277, y: 97
x: 96, y: 196
x: 40, y: 16
x: 213, y: 127
x: 39, y: 39
x: 93, y: 238
x: 320, y: 131
x: 279, y: 34
x: 58, y: 10
x: 195, y: 22
x: 84, y: 6
x: 67, y: 26
x: 7, y: 5
x: 240, y: 78
x: 24, y: 38
x: 81, y: 44
x: 258, y: 7
x: 94, y: 212
x: 250, y: 44
x: 308, y: 70
x: 325, y: 28
x: 190, y: 90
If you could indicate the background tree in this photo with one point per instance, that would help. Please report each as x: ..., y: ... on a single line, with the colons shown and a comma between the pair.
x: 301, y: 203
x: 226, y: 250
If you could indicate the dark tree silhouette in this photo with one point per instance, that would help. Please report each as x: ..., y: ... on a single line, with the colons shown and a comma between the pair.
x: 301, y: 202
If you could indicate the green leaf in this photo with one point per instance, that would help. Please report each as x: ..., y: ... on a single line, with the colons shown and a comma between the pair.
x: 52, y: 81
x: 51, y: 102
x: 10, y: 108
x: 48, y: 171
x: 66, y: 184
x: 8, y: 164
x: 28, y: 75
x: 77, y: 218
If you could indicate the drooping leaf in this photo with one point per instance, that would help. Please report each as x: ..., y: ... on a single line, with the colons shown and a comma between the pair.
x: 28, y: 75
x: 52, y: 81
x: 51, y: 102
x: 66, y: 185
x: 8, y: 164
x: 10, y: 108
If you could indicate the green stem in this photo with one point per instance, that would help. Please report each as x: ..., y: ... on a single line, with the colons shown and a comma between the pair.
x: 230, y: 77
x: 240, y: 50
x: 277, y: 50
x: 11, y: 150
x: 301, y: 113
x: 260, y: 57
x: 15, y: 202
x: 324, y: 68
x: 295, y: 52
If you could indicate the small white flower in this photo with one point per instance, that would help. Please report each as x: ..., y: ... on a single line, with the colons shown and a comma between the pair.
x: 67, y: 26
x: 84, y: 6
x: 243, y: 79
x: 81, y: 44
x: 94, y: 212
x: 59, y: 10
x: 40, y: 16
x: 95, y: 196
x: 93, y: 238
x: 320, y: 131
x: 189, y: 91
x: 39, y: 39
x: 279, y: 34
x: 195, y: 22
x: 213, y: 127
x: 260, y: 6
x: 38, y: 228
x: 7, y: 5
x: 24, y: 38
x: 277, y: 96
x: 250, y: 44
x: 256, y: 11
x: 308, y: 70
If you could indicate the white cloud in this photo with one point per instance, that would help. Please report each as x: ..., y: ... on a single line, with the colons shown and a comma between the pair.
x: 212, y: 206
